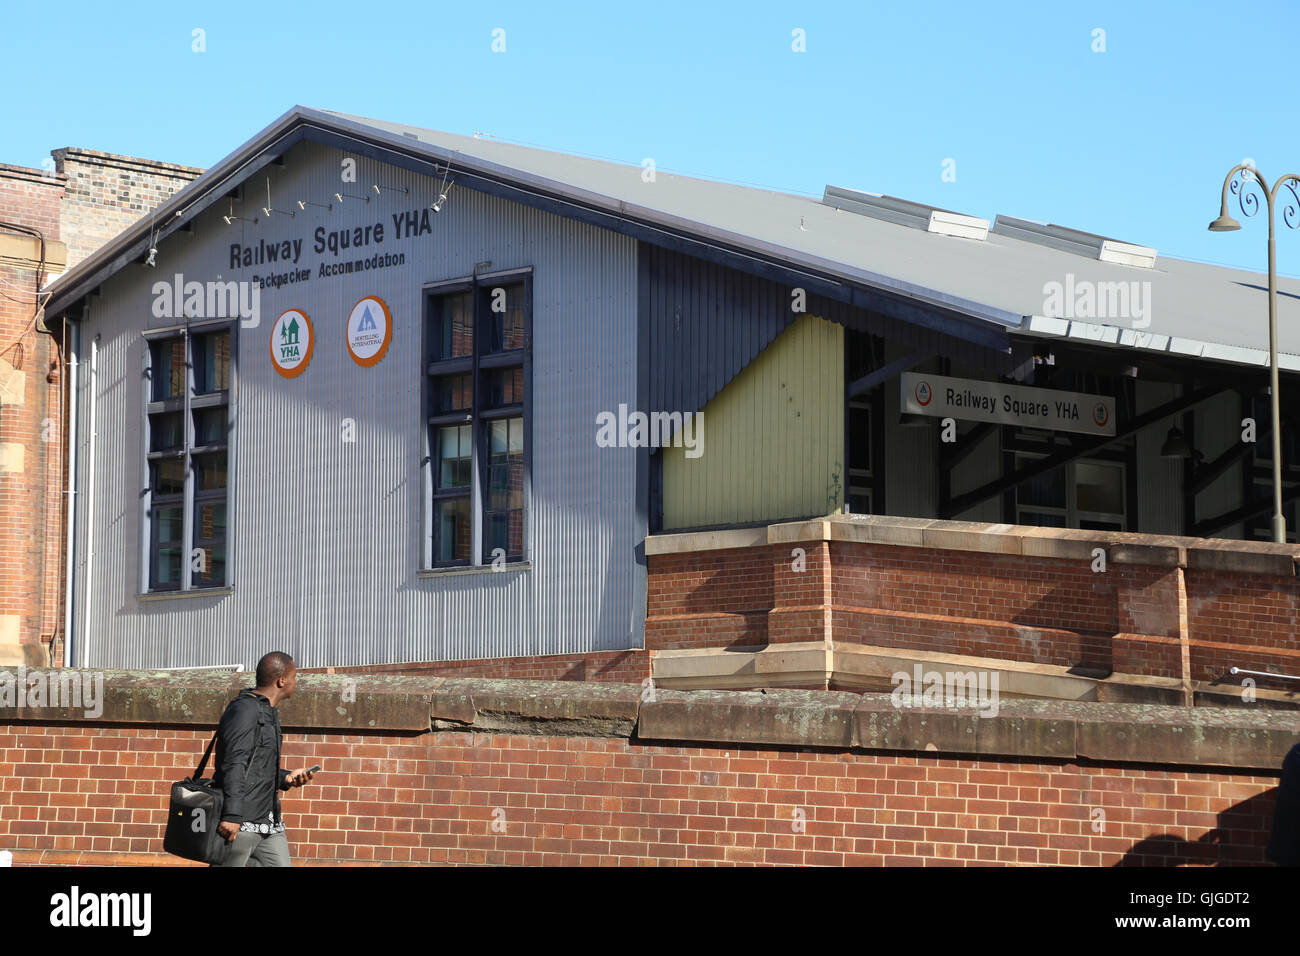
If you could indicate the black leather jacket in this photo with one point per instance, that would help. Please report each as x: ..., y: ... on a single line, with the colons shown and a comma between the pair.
x: 248, y: 760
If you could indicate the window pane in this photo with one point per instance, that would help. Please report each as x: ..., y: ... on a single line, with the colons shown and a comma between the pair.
x: 210, y: 570
x: 210, y: 425
x: 860, y: 501
x: 453, y: 393
x: 1099, y: 487
x: 166, y: 431
x: 168, y: 370
x: 209, y: 520
x: 210, y: 472
x: 504, y: 517
x: 167, y: 559
x: 454, y: 453
x: 1045, y: 491
x: 167, y: 477
x: 452, y: 529
x: 1041, y: 519
x: 860, y: 439
x: 455, y: 326
x: 212, y: 362
x: 505, y: 310
x: 503, y: 387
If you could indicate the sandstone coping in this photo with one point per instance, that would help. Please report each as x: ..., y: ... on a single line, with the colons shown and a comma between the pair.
x: 1121, y: 547
x: 1064, y: 730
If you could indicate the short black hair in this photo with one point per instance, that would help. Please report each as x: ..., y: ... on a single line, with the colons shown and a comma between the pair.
x: 272, y: 667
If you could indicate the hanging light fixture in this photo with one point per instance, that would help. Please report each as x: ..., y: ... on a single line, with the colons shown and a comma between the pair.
x: 1175, y: 446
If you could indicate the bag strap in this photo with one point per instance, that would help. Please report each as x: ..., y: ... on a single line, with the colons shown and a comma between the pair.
x: 198, y: 771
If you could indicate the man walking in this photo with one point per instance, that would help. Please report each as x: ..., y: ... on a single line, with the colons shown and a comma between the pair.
x: 248, y: 768
x: 1284, y: 843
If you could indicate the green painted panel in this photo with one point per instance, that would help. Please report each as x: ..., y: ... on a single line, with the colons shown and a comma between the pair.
x: 773, y: 439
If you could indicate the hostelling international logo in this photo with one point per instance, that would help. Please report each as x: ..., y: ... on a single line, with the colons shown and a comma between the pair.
x: 370, y: 329
x: 292, y: 342
x: 923, y: 393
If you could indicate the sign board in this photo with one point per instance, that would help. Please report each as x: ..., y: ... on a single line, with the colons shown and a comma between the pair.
x: 942, y: 397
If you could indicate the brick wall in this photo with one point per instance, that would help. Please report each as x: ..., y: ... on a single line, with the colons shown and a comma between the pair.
x: 97, y: 795
x: 992, y: 591
x: 31, y: 417
x: 544, y: 774
x: 106, y: 193
x: 82, y: 201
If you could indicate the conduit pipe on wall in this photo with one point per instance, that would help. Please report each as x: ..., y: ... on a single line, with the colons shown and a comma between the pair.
x: 73, y: 351
x: 90, y: 502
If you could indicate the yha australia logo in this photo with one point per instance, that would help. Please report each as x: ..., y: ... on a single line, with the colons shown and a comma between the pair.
x: 179, y: 299
x: 293, y: 339
x: 924, y: 393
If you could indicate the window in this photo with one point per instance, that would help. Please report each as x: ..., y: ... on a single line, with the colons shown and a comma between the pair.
x: 187, y: 418
x: 478, y: 369
x: 1080, y: 494
x: 864, y: 436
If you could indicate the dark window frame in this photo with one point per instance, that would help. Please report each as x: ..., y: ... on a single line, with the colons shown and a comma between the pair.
x: 190, y: 499
x: 479, y: 365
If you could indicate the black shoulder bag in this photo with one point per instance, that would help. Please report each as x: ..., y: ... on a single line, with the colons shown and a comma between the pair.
x: 195, y: 812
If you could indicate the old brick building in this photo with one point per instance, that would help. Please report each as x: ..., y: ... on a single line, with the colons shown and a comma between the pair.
x: 50, y: 219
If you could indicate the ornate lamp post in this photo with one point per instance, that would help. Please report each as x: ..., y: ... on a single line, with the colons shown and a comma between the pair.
x: 1237, y: 180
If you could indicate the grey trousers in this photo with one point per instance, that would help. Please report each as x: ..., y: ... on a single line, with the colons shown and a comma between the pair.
x: 254, y: 849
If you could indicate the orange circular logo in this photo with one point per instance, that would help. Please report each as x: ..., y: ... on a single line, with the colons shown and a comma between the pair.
x: 370, y: 329
x: 293, y: 339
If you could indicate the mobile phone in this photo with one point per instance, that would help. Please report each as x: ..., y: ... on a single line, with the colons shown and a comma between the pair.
x: 315, y: 769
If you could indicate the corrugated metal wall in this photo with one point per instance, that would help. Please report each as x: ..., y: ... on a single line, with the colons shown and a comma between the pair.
x: 1160, y: 480
x: 1217, y: 427
x: 911, y: 454
x: 773, y: 438
x: 324, y: 533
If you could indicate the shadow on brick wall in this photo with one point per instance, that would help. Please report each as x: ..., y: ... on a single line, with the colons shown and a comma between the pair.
x: 1239, y: 839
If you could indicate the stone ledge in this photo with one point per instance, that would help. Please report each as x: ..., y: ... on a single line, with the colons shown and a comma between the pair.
x: 1121, y: 547
x: 687, y: 542
x: 1066, y: 730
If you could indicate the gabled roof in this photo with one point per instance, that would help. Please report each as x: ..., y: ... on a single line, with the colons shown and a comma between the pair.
x: 979, y: 289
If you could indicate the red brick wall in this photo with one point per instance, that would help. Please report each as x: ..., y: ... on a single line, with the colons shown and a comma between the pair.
x: 96, y: 794
x: 709, y: 598
x: 1005, y: 606
x: 83, y: 201
x: 31, y: 427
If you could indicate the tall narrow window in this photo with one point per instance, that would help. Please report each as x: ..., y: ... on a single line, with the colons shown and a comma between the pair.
x: 187, y: 413
x: 477, y: 361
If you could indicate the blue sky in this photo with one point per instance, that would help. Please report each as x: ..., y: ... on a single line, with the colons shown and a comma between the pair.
x: 1132, y: 142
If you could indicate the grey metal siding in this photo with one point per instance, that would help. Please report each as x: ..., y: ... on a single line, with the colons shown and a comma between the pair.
x: 1217, y: 427
x: 324, y: 533
x: 1160, y: 480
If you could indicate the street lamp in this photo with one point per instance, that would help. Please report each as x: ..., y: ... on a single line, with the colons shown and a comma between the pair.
x: 1237, y: 180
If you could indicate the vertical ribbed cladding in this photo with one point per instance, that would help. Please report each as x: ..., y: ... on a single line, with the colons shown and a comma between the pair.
x: 323, y: 533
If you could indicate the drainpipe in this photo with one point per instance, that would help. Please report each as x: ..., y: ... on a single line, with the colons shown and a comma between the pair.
x: 90, y: 501
x: 69, y: 590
